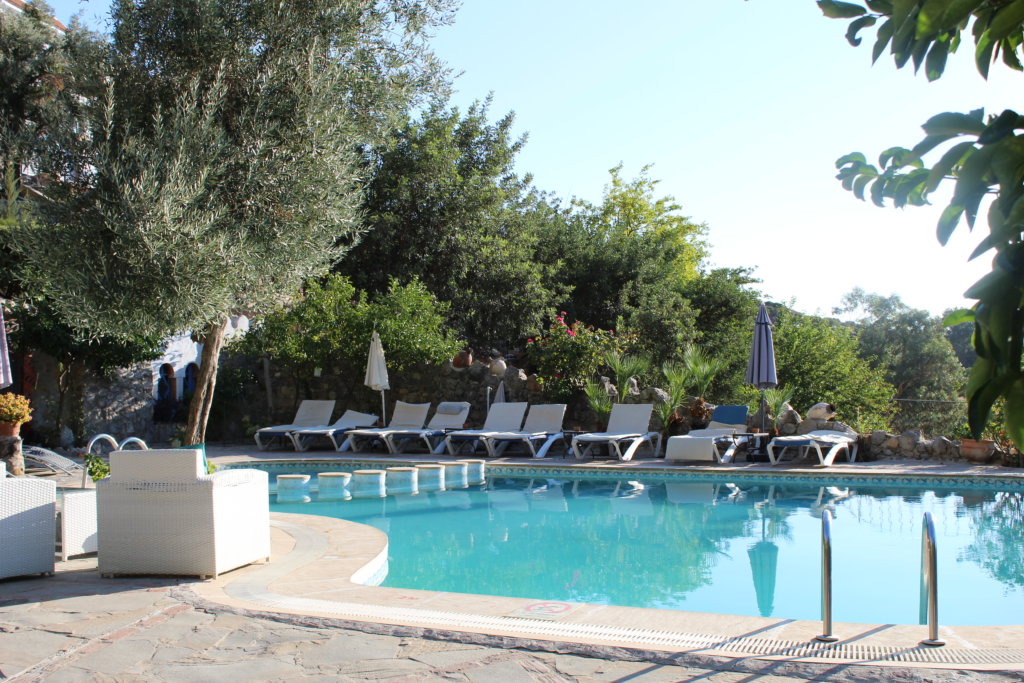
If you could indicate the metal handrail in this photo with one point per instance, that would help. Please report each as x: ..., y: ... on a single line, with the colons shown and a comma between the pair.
x: 930, y: 581
x: 826, y: 579
x: 101, y: 437
x: 133, y: 440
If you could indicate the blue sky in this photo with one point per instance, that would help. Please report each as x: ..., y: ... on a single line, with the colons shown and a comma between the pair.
x: 742, y: 108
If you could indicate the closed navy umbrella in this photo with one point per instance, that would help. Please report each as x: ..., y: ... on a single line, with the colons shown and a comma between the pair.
x: 761, y: 366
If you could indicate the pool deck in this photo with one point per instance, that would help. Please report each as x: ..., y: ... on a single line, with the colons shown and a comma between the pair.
x: 322, y: 555
x: 309, y: 583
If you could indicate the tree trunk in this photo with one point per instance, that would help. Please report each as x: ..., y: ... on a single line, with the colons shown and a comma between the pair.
x: 199, y: 408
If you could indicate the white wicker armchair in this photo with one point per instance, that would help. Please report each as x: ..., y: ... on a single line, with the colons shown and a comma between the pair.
x: 28, y: 526
x: 160, y: 513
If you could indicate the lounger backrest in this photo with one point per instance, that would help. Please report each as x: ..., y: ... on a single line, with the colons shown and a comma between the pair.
x: 352, y: 419
x: 729, y: 416
x: 314, y: 413
x: 505, y: 417
x: 409, y: 415
x: 450, y: 415
x: 157, y: 464
x: 630, y: 418
x: 545, y: 418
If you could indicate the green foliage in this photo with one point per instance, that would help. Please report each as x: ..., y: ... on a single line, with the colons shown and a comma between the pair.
x: 220, y: 168
x: 445, y: 206
x: 702, y: 368
x: 724, y: 311
x: 598, y: 400
x: 569, y: 355
x: 331, y: 323
x: 96, y: 466
x: 910, y: 349
x: 37, y: 326
x: 776, y: 399
x: 982, y: 155
x: 677, y: 378
x: 624, y: 366
x: 819, y: 361
x: 627, y: 260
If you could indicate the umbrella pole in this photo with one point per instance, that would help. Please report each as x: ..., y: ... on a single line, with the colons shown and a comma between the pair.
x: 762, y: 411
x: 383, y: 410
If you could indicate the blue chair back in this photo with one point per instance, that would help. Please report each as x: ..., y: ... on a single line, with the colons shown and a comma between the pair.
x: 730, y: 415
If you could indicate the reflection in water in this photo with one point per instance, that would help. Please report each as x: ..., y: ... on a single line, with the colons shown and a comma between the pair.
x: 742, y: 548
x: 998, y: 520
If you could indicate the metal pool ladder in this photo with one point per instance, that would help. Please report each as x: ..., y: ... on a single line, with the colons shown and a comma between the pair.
x: 929, y: 581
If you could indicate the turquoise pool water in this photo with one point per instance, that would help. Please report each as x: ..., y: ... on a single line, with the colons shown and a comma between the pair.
x: 709, y: 545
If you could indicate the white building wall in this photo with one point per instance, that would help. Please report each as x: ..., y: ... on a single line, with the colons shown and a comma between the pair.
x: 181, y: 351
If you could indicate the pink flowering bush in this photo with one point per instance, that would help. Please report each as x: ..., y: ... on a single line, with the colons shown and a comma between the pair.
x: 568, y: 355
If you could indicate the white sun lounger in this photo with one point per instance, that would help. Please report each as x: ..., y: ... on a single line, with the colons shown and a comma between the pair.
x: 309, y: 414
x: 628, y: 424
x: 449, y: 415
x: 706, y: 444
x: 502, y: 417
x: 351, y: 419
x: 835, y: 442
x: 405, y: 416
x: 55, y: 462
x: 543, y: 425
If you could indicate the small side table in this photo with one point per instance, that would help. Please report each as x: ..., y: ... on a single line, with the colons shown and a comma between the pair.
x: 78, y: 528
x: 756, y: 445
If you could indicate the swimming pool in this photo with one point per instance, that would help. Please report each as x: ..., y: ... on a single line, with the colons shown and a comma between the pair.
x: 733, y: 545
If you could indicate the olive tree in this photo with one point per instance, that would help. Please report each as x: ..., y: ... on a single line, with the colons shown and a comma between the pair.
x: 222, y: 167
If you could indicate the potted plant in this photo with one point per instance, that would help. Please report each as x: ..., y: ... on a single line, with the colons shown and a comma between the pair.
x: 14, y: 412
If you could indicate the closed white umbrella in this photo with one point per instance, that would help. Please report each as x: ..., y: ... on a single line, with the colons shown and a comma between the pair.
x: 761, y: 366
x: 377, y: 371
x: 6, y: 379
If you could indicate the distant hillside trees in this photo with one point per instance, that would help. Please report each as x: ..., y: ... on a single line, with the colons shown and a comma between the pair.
x: 819, y: 360
x: 910, y: 349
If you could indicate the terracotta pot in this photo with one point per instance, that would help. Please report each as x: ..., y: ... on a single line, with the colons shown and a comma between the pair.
x: 978, y: 451
x: 10, y: 428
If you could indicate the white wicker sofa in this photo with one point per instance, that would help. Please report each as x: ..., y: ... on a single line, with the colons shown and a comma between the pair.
x: 28, y: 526
x: 160, y: 513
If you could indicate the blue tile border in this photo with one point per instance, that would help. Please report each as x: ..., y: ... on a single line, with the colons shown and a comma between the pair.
x: 945, y: 481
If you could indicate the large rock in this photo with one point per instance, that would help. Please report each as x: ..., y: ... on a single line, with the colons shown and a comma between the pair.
x: 10, y: 453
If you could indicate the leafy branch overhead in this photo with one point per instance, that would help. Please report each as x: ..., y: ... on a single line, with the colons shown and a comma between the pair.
x: 982, y: 155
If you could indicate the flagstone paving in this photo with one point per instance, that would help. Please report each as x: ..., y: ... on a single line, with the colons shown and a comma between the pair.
x: 77, y: 626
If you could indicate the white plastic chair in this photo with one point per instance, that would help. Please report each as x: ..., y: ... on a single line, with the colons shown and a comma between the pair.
x: 502, y: 417
x: 835, y: 442
x: 405, y: 416
x: 543, y: 425
x: 309, y: 414
x: 302, y: 439
x: 628, y: 425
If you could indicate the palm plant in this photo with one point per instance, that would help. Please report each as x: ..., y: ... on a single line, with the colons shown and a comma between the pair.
x: 677, y: 378
x: 702, y: 368
x: 624, y: 366
x: 598, y: 400
x: 776, y: 400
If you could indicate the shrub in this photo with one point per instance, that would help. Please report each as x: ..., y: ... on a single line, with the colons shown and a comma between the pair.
x: 568, y: 355
x: 14, y: 408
